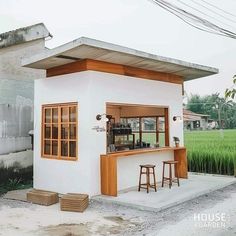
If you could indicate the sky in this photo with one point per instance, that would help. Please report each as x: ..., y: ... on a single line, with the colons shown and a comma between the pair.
x: 138, y: 24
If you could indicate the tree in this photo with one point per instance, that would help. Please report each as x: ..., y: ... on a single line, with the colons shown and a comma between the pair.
x: 218, y: 108
x: 208, y: 105
x: 195, y: 103
x: 230, y: 93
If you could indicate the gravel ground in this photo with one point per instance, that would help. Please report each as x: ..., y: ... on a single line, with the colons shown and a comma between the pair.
x: 21, y: 218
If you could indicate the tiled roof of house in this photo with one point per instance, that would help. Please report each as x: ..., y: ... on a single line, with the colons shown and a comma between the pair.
x: 192, y: 116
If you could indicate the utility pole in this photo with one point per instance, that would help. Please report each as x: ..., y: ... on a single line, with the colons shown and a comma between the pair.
x: 219, y: 114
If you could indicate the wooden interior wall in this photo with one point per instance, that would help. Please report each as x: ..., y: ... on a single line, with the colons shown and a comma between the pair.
x: 118, y: 111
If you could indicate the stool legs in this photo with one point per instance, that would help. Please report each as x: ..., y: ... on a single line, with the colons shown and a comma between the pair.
x: 170, y: 178
x: 147, y: 179
x: 163, y: 175
x: 177, y: 175
x: 140, y: 176
x: 154, y: 179
x: 147, y: 173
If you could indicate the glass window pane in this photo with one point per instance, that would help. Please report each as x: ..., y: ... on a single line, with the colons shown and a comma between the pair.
x: 162, y: 139
x: 137, y: 140
x: 161, y: 124
x: 54, y: 148
x: 149, y: 124
x: 134, y: 123
x: 72, y: 131
x: 48, y: 115
x: 64, y: 131
x: 148, y: 139
x: 55, y: 131
x: 64, y: 114
x: 72, y: 149
x: 47, y: 145
x: 123, y: 120
x: 54, y: 115
x: 73, y: 114
x: 47, y: 131
x: 64, y: 148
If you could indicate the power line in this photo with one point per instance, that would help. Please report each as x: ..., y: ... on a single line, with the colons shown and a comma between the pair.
x: 205, y: 14
x: 215, y: 12
x: 177, y: 13
x: 218, y: 8
x: 203, y: 21
x: 194, y: 20
x: 186, y: 21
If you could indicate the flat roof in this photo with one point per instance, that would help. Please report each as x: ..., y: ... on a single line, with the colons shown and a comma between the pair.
x: 86, y: 48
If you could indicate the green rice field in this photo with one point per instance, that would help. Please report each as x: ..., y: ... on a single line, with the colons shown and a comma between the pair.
x: 211, y: 152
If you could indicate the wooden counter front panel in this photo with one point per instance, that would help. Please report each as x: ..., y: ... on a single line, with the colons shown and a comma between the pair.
x: 108, y: 168
x: 180, y: 155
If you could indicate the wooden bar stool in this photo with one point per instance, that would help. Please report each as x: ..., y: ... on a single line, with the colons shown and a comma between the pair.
x: 148, y: 170
x: 170, y: 178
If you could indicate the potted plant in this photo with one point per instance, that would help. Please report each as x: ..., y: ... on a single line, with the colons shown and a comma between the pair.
x: 176, y: 140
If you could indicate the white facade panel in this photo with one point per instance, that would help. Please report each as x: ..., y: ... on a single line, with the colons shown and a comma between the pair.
x: 92, y: 90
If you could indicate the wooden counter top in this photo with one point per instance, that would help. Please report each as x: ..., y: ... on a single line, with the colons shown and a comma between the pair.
x: 141, y: 151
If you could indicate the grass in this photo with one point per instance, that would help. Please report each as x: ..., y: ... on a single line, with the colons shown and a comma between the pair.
x: 151, y: 138
x: 14, y: 184
x: 15, y: 177
x: 211, y: 152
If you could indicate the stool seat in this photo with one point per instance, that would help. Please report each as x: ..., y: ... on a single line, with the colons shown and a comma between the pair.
x: 170, y: 179
x: 170, y: 162
x: 148, y: 171
x: 147, y: 166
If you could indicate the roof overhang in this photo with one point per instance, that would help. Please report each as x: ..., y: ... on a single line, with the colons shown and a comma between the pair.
x: 86, y: 48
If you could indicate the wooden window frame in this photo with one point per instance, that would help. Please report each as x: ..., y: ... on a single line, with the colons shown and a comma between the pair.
x: 166, y: 129
x: 59, y: 123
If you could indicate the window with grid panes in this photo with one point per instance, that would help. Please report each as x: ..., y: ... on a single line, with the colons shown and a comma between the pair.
x: 59, y: 131
x: 149, y: 129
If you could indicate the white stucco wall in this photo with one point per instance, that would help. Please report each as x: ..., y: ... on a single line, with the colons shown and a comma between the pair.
x: 92, y: 90
x: 128, y: 168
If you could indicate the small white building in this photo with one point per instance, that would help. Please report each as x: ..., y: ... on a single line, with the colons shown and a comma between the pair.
x: 195, y: 121
x: 90, y: 82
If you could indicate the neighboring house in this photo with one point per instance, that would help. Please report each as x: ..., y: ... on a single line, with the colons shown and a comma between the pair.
x: 17, y: 85
x: 87, y: 80
x: 195, y: 121
x: 17, y: 99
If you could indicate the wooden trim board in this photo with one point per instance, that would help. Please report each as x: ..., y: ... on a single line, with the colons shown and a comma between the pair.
x: 95, y: 65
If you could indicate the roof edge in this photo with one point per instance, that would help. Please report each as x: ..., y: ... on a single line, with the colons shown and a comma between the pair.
x: 110, y: 46
x: 23, y: 35
x: 29, y: 62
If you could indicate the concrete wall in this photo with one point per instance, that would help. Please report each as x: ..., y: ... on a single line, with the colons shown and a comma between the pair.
x: 10, y: 61
x: 92, y: 90
x: 23, y: 159
x: 16, y: 95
